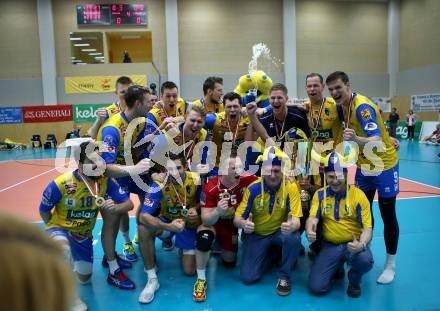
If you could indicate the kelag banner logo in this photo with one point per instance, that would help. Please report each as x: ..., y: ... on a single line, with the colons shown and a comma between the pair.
x: 84, y: 113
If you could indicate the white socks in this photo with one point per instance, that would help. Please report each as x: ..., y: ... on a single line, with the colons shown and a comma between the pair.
x: 389, y: 271
x: 151, y: 274
x: 113, y: 266
x: 126, y: 236
x: 201, y: 274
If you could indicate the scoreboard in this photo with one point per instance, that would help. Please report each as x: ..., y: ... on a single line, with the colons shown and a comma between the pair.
x: 111, y: 14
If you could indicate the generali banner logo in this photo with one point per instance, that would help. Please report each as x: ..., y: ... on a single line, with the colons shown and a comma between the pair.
x: 35, y: 114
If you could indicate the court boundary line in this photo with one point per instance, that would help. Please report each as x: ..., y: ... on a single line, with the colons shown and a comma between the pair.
x: 420, y: 183
x: 26, y: 180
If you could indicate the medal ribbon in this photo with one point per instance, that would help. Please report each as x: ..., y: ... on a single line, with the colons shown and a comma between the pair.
x: 179, y: 200
x: 84, y: 179
x: 234, y: 137
x: 316, y: 121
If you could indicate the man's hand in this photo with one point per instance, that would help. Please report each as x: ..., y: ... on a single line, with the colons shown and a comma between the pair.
x: 396, y: 143
x: 349, y: 135
x: 251, y: 109
x: 311, y: 234
x: 109, y: 206
x: 101, y: 113
x: 192, y: 214
x: 177, y: 225
x: 143, y: 166
x: 222, y: 206
x: 355, y: 246
x: 248, y: 225
x: 286, y: 227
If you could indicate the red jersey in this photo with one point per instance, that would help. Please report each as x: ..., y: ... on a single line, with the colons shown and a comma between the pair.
x: 213, y: 189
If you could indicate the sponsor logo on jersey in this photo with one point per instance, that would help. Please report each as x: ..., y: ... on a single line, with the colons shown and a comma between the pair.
x: 83, y: 214
x: 366, y: 114
x: 370, y: 126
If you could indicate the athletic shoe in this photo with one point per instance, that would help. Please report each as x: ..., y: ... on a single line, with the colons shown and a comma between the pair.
x: 353, y: 291
x: 129, y: 252
x: 147, y: 294
x: 123, y: 264
x: 78, y: 305
x: 199, y: 293
x: 136, y: 240
x: 120, y: 280
x: 167, y: 245
x: 283, y: 287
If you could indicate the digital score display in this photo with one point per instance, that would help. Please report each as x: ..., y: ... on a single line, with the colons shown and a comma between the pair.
x: 93, y: 14
x: 128, y: 14
x: 111, y: 14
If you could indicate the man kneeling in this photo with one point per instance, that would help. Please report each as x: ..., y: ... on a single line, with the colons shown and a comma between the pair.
x: 169, y: 208
x: 269, y: 215
x: 346, y: 219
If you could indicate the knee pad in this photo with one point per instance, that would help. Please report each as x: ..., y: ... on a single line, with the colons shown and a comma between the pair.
x: 84, y: 268
x: 205, y: 238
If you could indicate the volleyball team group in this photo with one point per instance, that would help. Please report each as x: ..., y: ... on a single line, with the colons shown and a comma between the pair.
x: 220, y: 174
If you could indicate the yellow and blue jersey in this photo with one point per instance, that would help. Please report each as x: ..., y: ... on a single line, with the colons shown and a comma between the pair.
x: 156, y: 115
x: 113, y: 109
x: 162, y: 200
x: 112, y: 135
x: 340, y: 222
x: 211, y: 107
x: 73, y: 206
x: 329, y: 127
x: 366, y: 120
x: 218, y: 126
x: 163, y: 143
x: 269, y: 208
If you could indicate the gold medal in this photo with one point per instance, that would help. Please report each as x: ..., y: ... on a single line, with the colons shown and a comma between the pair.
x: 304, y: 195
x: 99, y: 201
x: 184, y: 211
x: 225, y: 195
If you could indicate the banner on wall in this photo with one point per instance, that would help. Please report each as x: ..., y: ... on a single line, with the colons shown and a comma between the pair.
x: 402, y: 130
x: 97, y: 84
x: 384, y: 103
x: 10, y: 115
x: 34, y: 114
x: 83, y: 113
x: 427, y: 102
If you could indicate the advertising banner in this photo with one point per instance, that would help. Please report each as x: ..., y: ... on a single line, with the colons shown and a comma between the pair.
x: 83, y: 113
x: 56, y: 113
x: 10, y: 115
x: 97, y: 84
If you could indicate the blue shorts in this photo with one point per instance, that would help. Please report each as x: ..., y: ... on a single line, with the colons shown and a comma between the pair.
x: 386, y: 183
x: 80, y: 247
x: 185, y: 239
